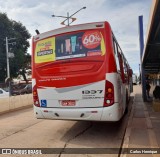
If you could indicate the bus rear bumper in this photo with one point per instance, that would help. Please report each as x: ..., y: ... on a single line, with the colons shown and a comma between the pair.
x: 111, y: 113
x: 90, y: 114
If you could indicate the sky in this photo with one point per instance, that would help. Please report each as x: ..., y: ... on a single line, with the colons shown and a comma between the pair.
x: 121, y: 14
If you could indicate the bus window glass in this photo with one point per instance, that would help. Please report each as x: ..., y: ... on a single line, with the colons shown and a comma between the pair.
x: 125, y: 70
x: 119, y: 50
x: 73, y: 45
x: 116, y: 56
x: 124, y: 66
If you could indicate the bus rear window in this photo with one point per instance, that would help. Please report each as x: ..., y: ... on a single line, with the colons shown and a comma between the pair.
x: 75, y: 45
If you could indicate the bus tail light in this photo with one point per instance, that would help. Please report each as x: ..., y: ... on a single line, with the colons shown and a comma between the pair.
x: 109, y: 94
x: 35, y: 97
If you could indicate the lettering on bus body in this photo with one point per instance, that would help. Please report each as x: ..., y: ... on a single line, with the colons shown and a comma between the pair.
x: 92, y: 94
x: 73, y: 45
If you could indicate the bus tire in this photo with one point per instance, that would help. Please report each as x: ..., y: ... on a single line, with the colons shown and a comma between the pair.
x: 126, y: 109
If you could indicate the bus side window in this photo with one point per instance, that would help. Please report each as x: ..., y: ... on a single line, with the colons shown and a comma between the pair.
x: 116, y: 56
x: 121, y: 61
x: 125, y: 70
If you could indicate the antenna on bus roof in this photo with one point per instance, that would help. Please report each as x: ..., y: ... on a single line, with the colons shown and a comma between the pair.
x: 68, y: 17
x: 37, y: 31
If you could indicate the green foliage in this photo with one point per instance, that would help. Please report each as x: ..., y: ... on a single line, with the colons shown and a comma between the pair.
x: 12, y: 29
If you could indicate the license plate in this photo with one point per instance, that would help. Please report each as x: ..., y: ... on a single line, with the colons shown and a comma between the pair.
x: 68, y: 102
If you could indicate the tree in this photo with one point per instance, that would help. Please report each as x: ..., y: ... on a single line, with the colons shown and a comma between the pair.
x: 12, y: 29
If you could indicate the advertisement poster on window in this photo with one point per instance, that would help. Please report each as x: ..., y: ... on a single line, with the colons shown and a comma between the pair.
x: 75, y: 45
x: 45, y: 50
x: 82, y: 44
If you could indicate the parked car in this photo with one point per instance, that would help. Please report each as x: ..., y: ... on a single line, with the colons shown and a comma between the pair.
x: 22, y: 90
x: 3, y: 93
x: 16, y: 89
x: 27, y: 89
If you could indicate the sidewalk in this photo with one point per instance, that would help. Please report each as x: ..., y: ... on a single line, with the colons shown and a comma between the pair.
x: 143, y: 130
x: 15, y: 102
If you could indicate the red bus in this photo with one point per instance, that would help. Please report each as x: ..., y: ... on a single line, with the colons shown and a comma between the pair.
x: 80, y: 73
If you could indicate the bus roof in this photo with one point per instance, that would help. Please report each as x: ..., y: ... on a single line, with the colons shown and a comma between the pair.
x: 93, y: 25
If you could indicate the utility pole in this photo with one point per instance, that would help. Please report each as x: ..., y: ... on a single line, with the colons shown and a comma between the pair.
x: 68, y: 18
x: 9, y: 55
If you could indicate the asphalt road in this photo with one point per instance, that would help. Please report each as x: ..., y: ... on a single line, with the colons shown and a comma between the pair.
x: 19, y: 129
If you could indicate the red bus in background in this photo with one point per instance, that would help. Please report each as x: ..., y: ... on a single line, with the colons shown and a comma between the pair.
x: 80, y: 73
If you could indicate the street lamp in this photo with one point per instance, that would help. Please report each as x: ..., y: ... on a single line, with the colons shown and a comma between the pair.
x: 69, y: 17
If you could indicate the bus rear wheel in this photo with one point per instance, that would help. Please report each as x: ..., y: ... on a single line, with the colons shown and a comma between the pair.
x: 127, y: 101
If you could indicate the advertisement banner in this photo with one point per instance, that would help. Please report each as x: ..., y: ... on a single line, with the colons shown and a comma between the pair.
x: 45, y: 50
x: 73, y: 45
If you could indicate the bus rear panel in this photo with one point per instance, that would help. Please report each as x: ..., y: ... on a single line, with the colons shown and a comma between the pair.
x: 74, y: 74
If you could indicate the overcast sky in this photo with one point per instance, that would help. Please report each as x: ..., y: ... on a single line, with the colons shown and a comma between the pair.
x: 121, y: 14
